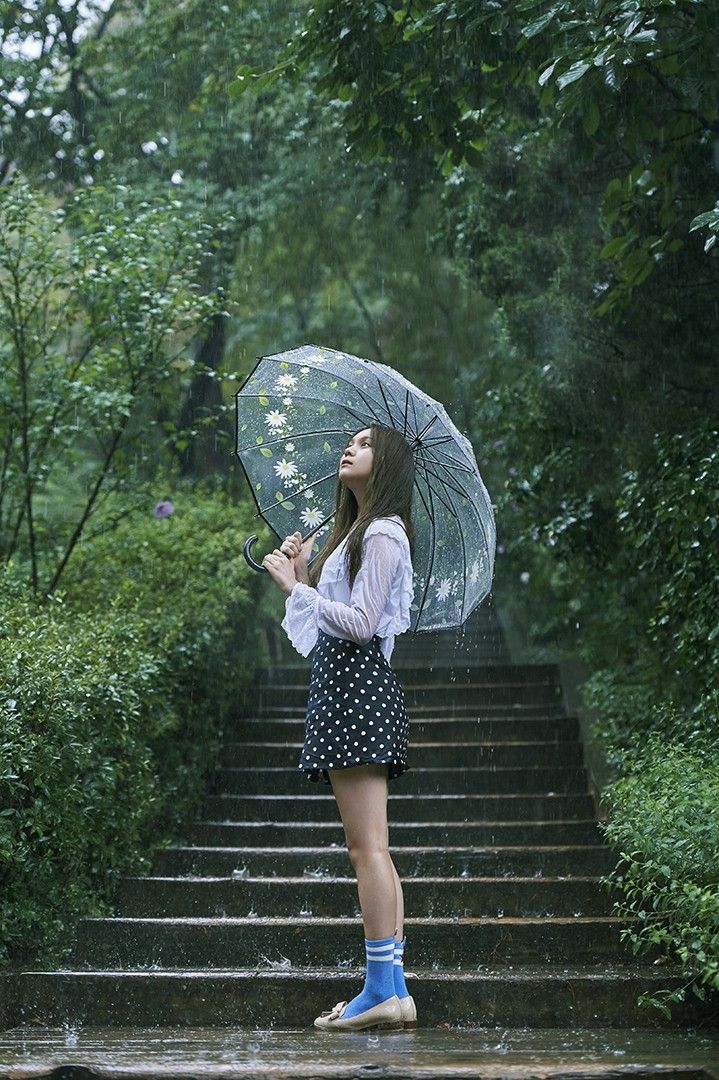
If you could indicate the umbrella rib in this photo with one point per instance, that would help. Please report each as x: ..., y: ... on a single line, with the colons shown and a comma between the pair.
x: 384, y: 396
x: 450, y: 462
x: 448, y: 481
x: 285, y: 438
x: 467, y: 494
x: 461, y: 535
x: 430, y: 516
x: 311, y: 397
x: 437, y: 492
x: 299, y: 491
x: 443, y: 480
x: 478, y: 518
x: 370, y: 403
x: 314, y: 529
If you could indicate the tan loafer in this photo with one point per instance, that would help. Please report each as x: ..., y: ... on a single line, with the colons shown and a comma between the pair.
x: 409, y: 1011
x: 387, y: 1016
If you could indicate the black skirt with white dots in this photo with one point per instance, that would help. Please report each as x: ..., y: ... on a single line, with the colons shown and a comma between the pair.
x: 355, y: 711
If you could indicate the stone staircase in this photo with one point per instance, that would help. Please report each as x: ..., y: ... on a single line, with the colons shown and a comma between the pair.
x: 254, y: 919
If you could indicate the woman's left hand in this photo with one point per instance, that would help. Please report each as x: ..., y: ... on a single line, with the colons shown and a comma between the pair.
x: 281, y: 570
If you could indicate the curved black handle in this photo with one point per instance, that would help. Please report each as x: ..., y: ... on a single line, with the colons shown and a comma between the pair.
x: 251, y: 562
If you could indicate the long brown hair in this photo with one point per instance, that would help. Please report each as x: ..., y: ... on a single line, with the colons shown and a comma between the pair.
x: 388, y: 491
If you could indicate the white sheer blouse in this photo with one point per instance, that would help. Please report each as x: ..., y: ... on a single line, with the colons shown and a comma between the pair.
x: 378, y: 603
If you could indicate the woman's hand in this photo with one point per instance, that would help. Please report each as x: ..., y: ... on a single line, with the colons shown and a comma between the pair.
x: 294, y: 549
x: 281, y: 570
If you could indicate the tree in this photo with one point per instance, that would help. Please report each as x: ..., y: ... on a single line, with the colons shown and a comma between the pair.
x: 635, y: 81
x: 94, y: 323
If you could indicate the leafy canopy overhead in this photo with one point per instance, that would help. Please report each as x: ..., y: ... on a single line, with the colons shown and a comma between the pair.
x: 635, y: 81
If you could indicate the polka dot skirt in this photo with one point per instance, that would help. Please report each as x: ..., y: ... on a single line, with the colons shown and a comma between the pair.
x: 355, y: 711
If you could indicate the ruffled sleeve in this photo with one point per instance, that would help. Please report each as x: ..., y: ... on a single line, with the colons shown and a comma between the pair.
x: 300, y: 621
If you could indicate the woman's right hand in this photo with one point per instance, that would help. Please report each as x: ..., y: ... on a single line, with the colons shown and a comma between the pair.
x: 293, y: 548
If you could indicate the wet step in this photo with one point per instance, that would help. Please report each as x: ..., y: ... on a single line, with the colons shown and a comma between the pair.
x: 431, y: 1054
x: 485, y: 675
x: 303, y: 941
x: 422, y: 754
x: 422, y: 834
x: 467, y: 807
x: 541, y: 996
x: 144, y: 897
x: 447, y: 710
x: 570, y: 860
x: 533, y: 780
x: 424, y: 694
x: 496, y: 730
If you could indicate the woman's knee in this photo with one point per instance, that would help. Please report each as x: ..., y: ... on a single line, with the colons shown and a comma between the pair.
x: 363, y: 852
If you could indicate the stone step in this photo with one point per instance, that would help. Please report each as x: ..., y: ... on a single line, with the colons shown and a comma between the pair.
x: 422, y: 754
x: 441, y: 711
x: 568, y: 861
x: 485, y: 675
x: 317, y: 805
x: 435, y: 1053
x: 425, y: 694
x: 210, y: 943
x: 536, y: 781
x: 528, y: 996
x: 496, y: 730
x: 421, y: 834
x: 145, y: 897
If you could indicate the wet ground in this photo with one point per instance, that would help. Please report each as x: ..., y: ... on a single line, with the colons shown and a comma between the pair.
x: 79, y: 1054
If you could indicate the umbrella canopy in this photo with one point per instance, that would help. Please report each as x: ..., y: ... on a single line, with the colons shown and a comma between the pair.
x: 295, y: 412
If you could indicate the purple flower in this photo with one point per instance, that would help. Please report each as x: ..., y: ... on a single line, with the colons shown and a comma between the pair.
x: 164, y: 508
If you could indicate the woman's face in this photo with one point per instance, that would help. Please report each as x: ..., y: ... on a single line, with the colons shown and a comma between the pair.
x: 357, y: 458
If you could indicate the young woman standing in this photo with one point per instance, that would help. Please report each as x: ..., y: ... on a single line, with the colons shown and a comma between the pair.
x: 349, y: 606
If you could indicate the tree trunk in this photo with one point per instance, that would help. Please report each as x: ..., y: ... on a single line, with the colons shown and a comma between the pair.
x: 210, y: 450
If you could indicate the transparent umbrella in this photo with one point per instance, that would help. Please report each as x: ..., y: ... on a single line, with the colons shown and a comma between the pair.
x: 295, y: 411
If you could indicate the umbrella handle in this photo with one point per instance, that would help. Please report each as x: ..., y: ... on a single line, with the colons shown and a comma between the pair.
x: 251, y: 562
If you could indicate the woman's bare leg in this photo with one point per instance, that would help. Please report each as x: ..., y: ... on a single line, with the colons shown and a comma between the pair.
x: 399, y: 909
x: 361, y: 794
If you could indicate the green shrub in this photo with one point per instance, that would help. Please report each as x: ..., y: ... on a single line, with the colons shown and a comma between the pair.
x: 665, y: 824
x: 113, y: 698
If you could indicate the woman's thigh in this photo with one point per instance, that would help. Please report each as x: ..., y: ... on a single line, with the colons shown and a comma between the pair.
x: 361, y: 794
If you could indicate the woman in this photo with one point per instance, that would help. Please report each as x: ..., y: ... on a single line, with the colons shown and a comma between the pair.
x: 357, y: 729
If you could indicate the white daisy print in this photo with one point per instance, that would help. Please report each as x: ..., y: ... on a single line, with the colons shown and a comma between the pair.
x: 285, y: 468
x: 474, y: 572
x: 289, y: 447
x: 311, y: 517
x: 304, y: 371
x: 286, y: 400
x: 444, y: 588
x: 275, y: 419
x: 286, y: 382
x: 309, y: 494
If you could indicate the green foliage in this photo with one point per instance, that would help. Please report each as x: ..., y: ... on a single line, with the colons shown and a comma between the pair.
x: 94, y: 324
x: 112, y: 699
x: 669, y: 523
x: 445, y: 76
x: 665, y: 824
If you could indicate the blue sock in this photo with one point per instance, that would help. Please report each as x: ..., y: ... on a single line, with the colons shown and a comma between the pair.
x: 379, y: 980
x: 400, y: 986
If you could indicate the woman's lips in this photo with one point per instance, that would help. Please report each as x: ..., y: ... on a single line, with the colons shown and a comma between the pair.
x: 345, y: 461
